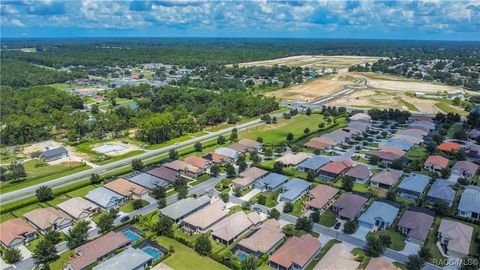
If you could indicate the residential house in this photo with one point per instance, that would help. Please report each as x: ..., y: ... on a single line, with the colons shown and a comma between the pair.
x: 78, y: 208
x: 264, y: 240
x: 203, y: 219
x: 48, y: 218
x: 386, y: 179
x: 229, y: 229
x: 455, y: 237
x: 241, y: 148
x: 449, y: 147
x: 412, y: 139
x: 294, y: 189
x: 380, y: 263
x: 184, y: 168
x: 313, y: 163
x: 469, y: 205
x: 162, y: 176
x: 271, y: 182
x: 296, y: 253
x: 339, y: 135
x: 216, y: 158
x: 96, y: 250
x: 473, y: 134
x: 293, y: 159
x: 387, y: 155
x: 16, y: 232
x: 129, y: 259
x: 412, y: 133
x: 405, y: 145
x: 465, y: 168
x: 415, y: 224
x: 321, y: 196
x: 105, y: 198
x: 359, y: 173
x: 334, y: 169
x: 228, y: 152
x: 338, y: 257
x: 436, y: 163
x: 380, y: 215
x: 185, y: 207
x: 251, y: 144
x: 349, y: 205
x: 473, y: 151
x: 127, y: 189
x: 248, y: 177
x: 320, y: 143
x: 412, y: 186
x: 199, y: 162
x: 54, y: 154
x: 423, y: 125
x: 441, y: 192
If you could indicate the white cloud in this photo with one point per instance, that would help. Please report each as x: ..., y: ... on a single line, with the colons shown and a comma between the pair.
x: 17, y: 23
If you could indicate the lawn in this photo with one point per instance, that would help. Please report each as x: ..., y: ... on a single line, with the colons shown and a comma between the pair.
x: 62, y: 260
x: 446, y: 106
x: 361, y: 256
x: 128, y: 206
x: 277, y: 133
x: 417, y: 153
x: 398, y: 240
x: 325, y: 249
x: 432, y: 239
x: 271, y: 197
x: 202, y: 178
x: 6, y: 216
x: 361, y: 187
x: 289, y: 229
x: 58, y: 200
x: 20, y: 212
x: 186, y: 258
x: 298, y: 206
x: 328, y: 218
x: 82, y: 191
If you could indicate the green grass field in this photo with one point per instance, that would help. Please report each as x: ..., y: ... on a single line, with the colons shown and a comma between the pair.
x: 298, y: 206
x: 446, y: 106
x: 398, y: 240
x: 328, y: 218
x: 431, y: 240
x: 128, y: 206
x: 82, y: 191
x: 417, y: 153
x: 271, y: 197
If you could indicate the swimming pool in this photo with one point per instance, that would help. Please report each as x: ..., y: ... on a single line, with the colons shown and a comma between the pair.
x: 155, y: 253
x: 133, y: 236
x: 242, y: 256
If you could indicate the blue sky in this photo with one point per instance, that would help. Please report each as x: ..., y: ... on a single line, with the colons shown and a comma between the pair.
x: 408, y: 19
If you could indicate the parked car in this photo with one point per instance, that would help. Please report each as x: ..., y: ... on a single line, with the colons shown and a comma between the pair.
x: 124, y: 219
x: 256, y: 208
x: 337, y: 225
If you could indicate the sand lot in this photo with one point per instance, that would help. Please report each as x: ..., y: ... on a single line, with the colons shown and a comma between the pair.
x: 114, y: 148
x: 41, y: 146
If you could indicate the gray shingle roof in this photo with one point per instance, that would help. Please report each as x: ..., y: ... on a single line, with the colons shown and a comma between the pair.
x: 103, y: 196
x: 415, y: 182
x: 145, y: 180
x: 442, y: 190
x: 470, y: 200
x: 314, y: 163
x: 129, y: 259
x: 272, y: 180
x: 54, y: 152
x: 294, y: 188
x: 385, y: 211
x: 184, y: 207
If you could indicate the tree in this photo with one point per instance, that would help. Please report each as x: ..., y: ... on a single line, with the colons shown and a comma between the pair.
x: 12, y: 255
x: 78, y: 234
x: 95, y: 108
x: 425, y: 253
x: 198, y: 146
x: 290, y: 137
x: 259, y: 139
x: 17, y: 171
x: 164, y: 226
x: 278, y: 167
x: 261, y: 199
x: 95, y: 178
x: 203, y: 246
x: 287, y: 207
x: 446, y: 173
x: 255, y: 158
x: 347, y: 183
x: 242, y: 165
x: 233, y: 135
x: 182, y: 193
x: 224, y: 196
x: 304, y: 223
x: 221, y: 139
x: 214, y: 170
x: 173, y: 154
x: 53, y: 236
x: 415, y: 262
x: 315, y: 216
x: 274, y: 213
x: 237, y: 191
x: 391, y: 195
x: 137, y: 204
x: 249, y: 263
x: 306, y: 131
x: 246, y: 206
x: 158, y: 192
x: 308, y: 111
x: 268, y: 152
x: 105, y: 221
x: 375, y: 246
x: 230, y: 170
x: 44, y: 253
x: 350, y: 226
x: 374, y: 160
x: 321, y: 125
x: 44, y: 194
x: 137, y: 164
x: 162, y: 202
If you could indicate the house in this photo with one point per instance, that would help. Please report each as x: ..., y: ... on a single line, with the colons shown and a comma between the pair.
x: 185, y: 207
x: 321, y: 196
x: 449, y: 147
x: 230, y: 228
x: 387, y: 155
x: 320, y: 143
x: 313, y: 164
x: 469, y: 205
x: 293, y: 159
x: 216, y: 158
x: 248, y: 177
x: 473, y: 151
x: 241, y: 148
x: 184, y: 168
x: 380, y: 263
x: 441, y: 192
x: 380, y: 215
x: 398, y: 143
x: 349, y: 205
x: 465, y: 168
x: 359, y: 173
x: 435, y: 163
x: 412, y: 186
x: 230, y: 153
x: 361, y: 117
x: 204, y: 218
x: 16, y: 232
x: 339, y: 135
x: 294, y: 189
x: 415, y: 224
x: 337, y: 257
x: 334, y: 169
x: 48, y: 218
x: 386, y: 178
x: 423, y: 125
x: 412, y: 133
x: 78, y: 208
x: 296, y: 253
x: 473, y: 134
x: 54, y: 154
x: 97, y: 249
x: 412, y: 139
x: 264, y: 240
x: 251, y: 144
x: 105, y: 198
x: 199, y: 162
x: 128, y: 190
x: 129, y: 259
x: 165, y: 175
x: 271, y: 182
x: 455, y: 237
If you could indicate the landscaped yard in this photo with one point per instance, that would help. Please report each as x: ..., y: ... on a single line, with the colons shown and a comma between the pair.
x: 397, y: 239
x: 431, y: 240
x: 202, y: 178
x: 128, y: 206
x: 417, y: 153
x: 298, y: 206
x: 62, y: 260
x: 82, y: 191
x: 20, y: 212
x: 325, y: 248
x: 271, y: 197
x: 328, y: 218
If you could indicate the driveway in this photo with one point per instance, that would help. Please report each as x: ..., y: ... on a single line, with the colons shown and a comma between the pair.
x: 410, y: 248
x: 250, y: 194
x: 361, y: 232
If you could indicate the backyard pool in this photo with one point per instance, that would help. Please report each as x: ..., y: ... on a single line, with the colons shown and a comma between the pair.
x: 242, y: 256
x: 155, y: 253
x: 153, y: 249
x: 133, y: 236
x: 131, y: 232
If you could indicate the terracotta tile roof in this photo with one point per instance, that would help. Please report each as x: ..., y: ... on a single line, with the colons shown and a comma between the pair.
x: 449, y: 146
x: 336, y: 167
x: 180, y: 165
x: 316, y: 145
x: 293, y: 159
x: 338, y: 257
x: 164, y: 173
x: 75, y: 207
x: 298, y: 250
x: 46, y: 217
x: 13, y: 229
x: 207, y: 216
x: 394, y: 150
x: 90, y: 252
x: 198, y: 162
x: 125, y: 188
x: 239, y: 147
x: 249, y: 176
x: 321, y: 195
x: 234, y: 225
x: 219, y: 158
x: 380, y: 264
x: 265, y: 238
x: 436, y: 160
x: 250, y: 143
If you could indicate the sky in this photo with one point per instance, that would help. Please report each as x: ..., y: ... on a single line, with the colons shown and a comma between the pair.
x: 369, y: 19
